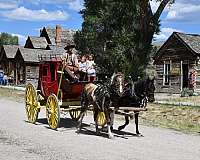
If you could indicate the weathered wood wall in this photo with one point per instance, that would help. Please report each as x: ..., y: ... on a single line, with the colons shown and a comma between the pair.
x: 175, y: 78
x: 32, y: 73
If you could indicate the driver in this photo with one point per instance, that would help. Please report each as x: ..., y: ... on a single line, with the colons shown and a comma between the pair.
x: 70, y: 61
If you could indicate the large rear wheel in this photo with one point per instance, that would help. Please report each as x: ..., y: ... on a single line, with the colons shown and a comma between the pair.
x: 53, y: 111
x: 31, y: 103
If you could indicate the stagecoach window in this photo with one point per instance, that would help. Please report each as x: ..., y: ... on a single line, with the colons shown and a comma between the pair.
x: 166, y: 74
x: 52, y: 70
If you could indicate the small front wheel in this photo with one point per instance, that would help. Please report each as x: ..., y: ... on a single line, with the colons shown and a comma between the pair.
x: 101, y: 119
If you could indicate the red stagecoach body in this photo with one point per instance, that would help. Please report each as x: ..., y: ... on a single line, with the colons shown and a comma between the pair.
x: 49, y: 78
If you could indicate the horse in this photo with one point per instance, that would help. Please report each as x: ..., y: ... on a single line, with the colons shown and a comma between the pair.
x: 117, y: 86
x: 97, y: 95
x: 138, y: 95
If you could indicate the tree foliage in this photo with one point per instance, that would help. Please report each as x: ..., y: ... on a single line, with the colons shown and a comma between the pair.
x: 6, y: 39
x: 119, y: 33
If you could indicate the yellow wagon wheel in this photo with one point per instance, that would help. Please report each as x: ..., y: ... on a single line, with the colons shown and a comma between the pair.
x: 75, y: 114
x: 31, y: 103
x: 53, y: 111
x: 101, y: 119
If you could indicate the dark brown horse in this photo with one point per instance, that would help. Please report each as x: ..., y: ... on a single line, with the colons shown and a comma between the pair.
x: 137, y: 95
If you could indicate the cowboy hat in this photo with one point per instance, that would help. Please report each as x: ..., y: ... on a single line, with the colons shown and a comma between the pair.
x: 69, y: 46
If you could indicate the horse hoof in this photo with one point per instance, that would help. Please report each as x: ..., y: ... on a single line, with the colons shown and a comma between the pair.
x: 78, y: 131
x: 139, y: 135
x: 97, y: 133
x: 120, y: 128
x: 111, y: 128
x: 111, y: 137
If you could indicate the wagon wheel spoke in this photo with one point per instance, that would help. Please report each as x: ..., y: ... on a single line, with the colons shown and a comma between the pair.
x: 31, y: 103
x: 53, y: 111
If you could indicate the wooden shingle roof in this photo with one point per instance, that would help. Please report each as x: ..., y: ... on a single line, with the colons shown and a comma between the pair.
x: 56, y: 49
x: 190, y: 41
x: 32, y: 55
x: 67, y: 35
x: 36, y: 42
x: 10, y: 50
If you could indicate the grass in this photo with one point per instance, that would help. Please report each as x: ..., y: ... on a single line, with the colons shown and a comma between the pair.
x: 181, y: 118
x: 12, y: 94
x: 175, y: 98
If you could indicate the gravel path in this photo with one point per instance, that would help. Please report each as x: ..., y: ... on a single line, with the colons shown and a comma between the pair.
x: 20, y: 140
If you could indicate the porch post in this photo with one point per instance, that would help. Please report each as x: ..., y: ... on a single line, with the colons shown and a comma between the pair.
x: 170, y: 63
x: 164, y: 74
x: 181, y: 76
x: 16, y: 76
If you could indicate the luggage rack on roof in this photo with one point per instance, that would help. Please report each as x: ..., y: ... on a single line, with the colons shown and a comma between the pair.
x: 50, y: 57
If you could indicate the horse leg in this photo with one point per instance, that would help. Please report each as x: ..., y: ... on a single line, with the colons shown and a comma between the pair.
x: 107, y: 114
x: 136, y: 124
x: 126, y: 123
x: 95, y: 117
x: 84, y: 105
x: 112, y: 119
x: 82, y: 114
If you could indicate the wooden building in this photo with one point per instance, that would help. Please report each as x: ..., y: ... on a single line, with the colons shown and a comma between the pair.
x: 27, y: 64
x: 21, y: 63
x: 7, y: 59
x: 177, y: 63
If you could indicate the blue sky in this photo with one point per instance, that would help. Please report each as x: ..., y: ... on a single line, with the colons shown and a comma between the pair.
x: 26, y: 17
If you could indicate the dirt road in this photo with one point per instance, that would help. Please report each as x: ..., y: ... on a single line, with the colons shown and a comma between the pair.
x: 20, y: 140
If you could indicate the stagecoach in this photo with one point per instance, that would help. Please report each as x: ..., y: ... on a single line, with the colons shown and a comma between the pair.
x: 55, y: 93
x: 58, y: 95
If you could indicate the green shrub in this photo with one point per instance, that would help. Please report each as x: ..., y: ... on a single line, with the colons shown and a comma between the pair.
x: 186, y: 92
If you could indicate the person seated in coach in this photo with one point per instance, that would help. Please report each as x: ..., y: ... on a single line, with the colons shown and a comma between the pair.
x: 91, y: 68
x: 83, y: 68
x: 70, y: 62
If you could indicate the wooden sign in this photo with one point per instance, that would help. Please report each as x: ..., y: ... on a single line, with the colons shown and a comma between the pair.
x: 175, y: 70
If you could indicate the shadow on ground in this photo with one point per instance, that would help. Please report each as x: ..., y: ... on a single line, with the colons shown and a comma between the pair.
x: 103, y: 133
x: 87, y: 129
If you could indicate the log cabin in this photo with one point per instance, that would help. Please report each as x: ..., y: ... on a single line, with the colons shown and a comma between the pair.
x: 177, y: 63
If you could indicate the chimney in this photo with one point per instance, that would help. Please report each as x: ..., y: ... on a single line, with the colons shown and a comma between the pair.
x: 58, y: 35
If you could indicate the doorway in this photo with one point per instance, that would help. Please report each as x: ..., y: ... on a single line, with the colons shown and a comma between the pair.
x: 185, y: 75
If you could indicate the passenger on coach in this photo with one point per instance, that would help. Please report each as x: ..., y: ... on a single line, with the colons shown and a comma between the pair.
x: 91, y: 68
x: 83, y: 66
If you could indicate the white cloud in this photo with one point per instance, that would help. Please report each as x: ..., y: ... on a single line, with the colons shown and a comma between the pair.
x: 23, y: 13
x: 73, y: 4
x: 21, y: 38
x: 7, y: 5
x: 184, y: 12
x: 165, y: 33
x: 76, y: 5
x: 155, y: 5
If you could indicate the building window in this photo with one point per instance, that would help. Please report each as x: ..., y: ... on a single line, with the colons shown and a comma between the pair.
x: 166, y: 74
